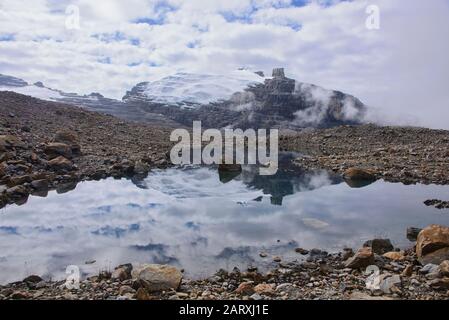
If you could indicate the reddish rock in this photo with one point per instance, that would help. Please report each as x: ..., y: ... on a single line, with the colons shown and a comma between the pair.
x: 432, y: 245
x: 362, y: 259
x: 60, y: 163
x: 54, y: 150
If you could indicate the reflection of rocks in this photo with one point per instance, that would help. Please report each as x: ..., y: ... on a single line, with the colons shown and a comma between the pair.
x: 227, y: 176
x: 439, y: 204
x: 412, y: 233
x: 356, y: 174
x: 288, y: 179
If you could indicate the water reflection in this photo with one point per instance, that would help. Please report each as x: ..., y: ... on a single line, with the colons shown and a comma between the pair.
x: 188, y: 217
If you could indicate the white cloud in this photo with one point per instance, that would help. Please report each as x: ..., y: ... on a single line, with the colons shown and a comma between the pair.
x: 402, y: 68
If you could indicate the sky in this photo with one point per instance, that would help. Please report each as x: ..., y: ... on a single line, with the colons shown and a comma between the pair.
x: 400, y: 70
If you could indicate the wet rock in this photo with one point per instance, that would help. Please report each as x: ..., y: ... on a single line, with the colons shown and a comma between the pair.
x: 432, y: 245
x: 54, y: 150
x: 155, y: 277
x: 362, y: 259
x: 60, y: 164
x: 412, y: 233
x: 359, y: 174
x: 379, y: 246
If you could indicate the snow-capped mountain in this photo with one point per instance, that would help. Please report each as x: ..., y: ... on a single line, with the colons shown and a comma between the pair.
x: 240, y: 99
x: 189, y: 89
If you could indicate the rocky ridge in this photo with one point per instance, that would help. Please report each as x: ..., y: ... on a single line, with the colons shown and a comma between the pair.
x: 396, y: 154
x: 47, y: 145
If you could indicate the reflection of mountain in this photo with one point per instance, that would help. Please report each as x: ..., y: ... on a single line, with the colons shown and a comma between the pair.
x: 287, y: 181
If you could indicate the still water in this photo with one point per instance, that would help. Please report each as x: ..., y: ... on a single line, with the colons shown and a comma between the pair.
x: 201, y: 221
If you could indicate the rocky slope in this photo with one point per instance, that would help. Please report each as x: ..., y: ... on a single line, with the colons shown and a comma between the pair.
x: 93, y: 102
x: 405, y: 154
x: 47, y: 145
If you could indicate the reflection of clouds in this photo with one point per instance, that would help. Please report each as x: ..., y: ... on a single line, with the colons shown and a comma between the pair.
x: 190, y: 219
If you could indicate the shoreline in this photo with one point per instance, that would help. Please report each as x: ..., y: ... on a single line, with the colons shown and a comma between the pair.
x: 402, y: 275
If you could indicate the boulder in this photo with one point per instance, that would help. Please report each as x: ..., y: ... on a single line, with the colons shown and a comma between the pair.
x: 122, y: 272
x: 362, y: 259
x: 155, y: 278
x: 69, y: 138
x: 432, y: 245
x: 436, y: 257
x: 54, y: 150
x: 40, y: 185
x: 379, y: 246
x: 359, y: 174
x: 60, y: 163
x: 16, y: 193
x: 395, y: 256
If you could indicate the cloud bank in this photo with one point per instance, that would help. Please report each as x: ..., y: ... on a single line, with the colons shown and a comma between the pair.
x: 401, y: 69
